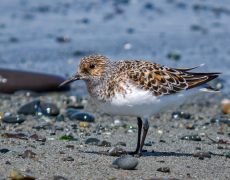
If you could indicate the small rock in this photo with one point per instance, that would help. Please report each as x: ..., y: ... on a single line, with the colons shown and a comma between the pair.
x: 121, y: 144
x: 4, y: 150
x: 104, y: 143
x: 190, y: 126
x: 92, y: 141
x: 149, y: 6
x: 13, y: 119
x: 126, y: 162
x: 13, y: 39
x: 38, y: 138
x: 84, y: 124
x: 81, y: 53
x: 176, y: 56
x: 69, y: 158
x: 2, y: 114
x: 164, y: 169
x: 63, y: 39
x: 198, y: 27
x: 225, y: 106
x: 150, y: 143
x: 130, y: 30
x: 70, y: 146
x: 202, y: 155
x: 162, y: 141
x: 60, y: 117
x: 28, y: 154
x: 227, y: 154
x: 82, y: 116
x: 194, y: 137
x: 17, y: 175
x: 59, y: 178
x: 74, y: 126
x: 116, y: 151
x: 221, y: 120
x: 39, y: 108
x: 8, y: 163
x: 179, y: 114
x: 127, y: 46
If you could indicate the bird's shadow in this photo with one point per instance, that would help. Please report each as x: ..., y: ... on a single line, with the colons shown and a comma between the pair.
x: 145, y: 154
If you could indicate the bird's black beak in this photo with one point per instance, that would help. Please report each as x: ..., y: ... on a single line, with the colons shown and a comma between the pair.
x: 72, y: 79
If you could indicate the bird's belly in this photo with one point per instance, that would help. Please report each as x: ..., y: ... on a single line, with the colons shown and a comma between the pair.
x: 139, y: 103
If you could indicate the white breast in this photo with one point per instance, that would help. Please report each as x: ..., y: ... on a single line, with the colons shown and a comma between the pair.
x: 138, y: 102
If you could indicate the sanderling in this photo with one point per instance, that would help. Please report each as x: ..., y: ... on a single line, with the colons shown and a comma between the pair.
x: 137, y: 88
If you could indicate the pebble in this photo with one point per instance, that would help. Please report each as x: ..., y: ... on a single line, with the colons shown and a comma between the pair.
x: 164, y: 169
x: 38, y: 107
x: 43, y: 126
x: 190, y: 126
x: 225, y: 103
x: 69, y: 158
x: 221, y: 120
x: 149, y: 6
x: 4, y: 150
x: 194, y: 137
x: 117, y: 122
x: 121, y: 144
x: 227, y: 154
x: 63, y: 39
x: 116, y: 151
x: 13, y: 119
x: 59, y: 178
x: 202, y: 155
x: 92, y: 141
x: 127, y: 46
x: 126, y: 162
x: 104, y: 143
x: 149, y: 143
x: 38, y: 138
x: 81, y: 53
x: 28, y: 154
x: 84, y: 124
x: 17, y: 175
x: 180, y: 114
x: 2, y: 114
x: 176, y: 56
x: 82, y: 116
x: 70, y: 146
x: 60, y: 117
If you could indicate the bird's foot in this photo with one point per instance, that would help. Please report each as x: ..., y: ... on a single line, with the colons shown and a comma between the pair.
x: 135, y: 153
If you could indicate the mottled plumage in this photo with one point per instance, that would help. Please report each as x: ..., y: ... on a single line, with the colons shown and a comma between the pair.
x: 136, y: 88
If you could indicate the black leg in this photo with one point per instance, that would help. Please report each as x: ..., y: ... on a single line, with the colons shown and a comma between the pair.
x: 139, y: 123
x: 145, y: 131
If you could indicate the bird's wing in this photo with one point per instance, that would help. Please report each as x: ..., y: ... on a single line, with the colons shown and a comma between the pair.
x: 161, y: 80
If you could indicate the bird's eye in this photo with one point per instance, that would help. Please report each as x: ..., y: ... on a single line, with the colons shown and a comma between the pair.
x: 92, y: 66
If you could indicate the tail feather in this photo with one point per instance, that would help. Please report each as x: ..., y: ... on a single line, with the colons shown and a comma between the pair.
x: 197, y: 79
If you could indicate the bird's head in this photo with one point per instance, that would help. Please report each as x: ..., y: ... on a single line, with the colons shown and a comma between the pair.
x: 90, y: 68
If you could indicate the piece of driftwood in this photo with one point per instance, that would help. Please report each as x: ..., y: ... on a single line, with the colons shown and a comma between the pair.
x: 15, y: 80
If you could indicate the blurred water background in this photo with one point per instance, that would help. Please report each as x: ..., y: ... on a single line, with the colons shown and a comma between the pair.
x: 51, y: 36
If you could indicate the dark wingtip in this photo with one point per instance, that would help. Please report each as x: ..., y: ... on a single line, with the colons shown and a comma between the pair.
x: 203, y: 78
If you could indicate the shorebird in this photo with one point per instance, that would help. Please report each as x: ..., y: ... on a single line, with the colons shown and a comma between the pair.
x: 137, y: 88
